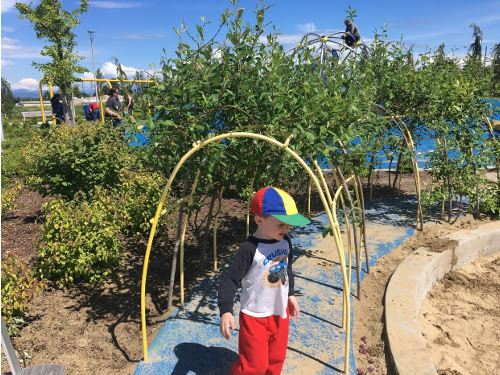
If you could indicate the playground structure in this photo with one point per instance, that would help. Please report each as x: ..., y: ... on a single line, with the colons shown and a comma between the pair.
x: 322, y: 44
x: 330, y: 204
x: 99, y: 83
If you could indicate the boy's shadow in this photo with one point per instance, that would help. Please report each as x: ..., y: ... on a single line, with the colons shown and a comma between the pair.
x: 203, y: 360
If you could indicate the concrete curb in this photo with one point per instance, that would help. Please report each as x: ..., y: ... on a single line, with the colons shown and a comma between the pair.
x: 409, y: 285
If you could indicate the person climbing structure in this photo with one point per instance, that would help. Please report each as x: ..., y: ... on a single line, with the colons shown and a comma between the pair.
x: 351, y: 35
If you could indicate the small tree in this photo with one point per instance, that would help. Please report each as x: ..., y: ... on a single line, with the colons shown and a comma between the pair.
x: 104, y: 87
x: 495, y: 63
x: 54, y: 24
x: 7, y: 98
x: 77, y: 93
x: 475, y: 47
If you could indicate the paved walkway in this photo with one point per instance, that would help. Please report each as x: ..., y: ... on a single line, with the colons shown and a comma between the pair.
x: 189, y: 341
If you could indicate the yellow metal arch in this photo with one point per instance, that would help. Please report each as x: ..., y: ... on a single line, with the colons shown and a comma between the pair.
x: 326, y: 204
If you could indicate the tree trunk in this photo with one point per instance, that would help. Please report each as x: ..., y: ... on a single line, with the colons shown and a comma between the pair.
x: 398, y: 167
x: 203, y: 254
x: 363, y: 220
x: 177, y: 242
x: 65, y: 103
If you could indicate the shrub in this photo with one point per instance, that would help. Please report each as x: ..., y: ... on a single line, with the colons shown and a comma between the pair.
x: 68, y: 160
x: 79, y: 240
x: 9, y: 196
x: 16, y: 138
x: 18, y: 287
x: 140, y: 194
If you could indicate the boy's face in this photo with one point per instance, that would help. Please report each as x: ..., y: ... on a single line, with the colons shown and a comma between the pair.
x: 271, y: 228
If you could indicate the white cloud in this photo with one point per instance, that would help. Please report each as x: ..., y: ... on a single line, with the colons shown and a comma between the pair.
x: 487, y: 20
x: 138, y: 36
x: 114, y: 5
x: 286, y: 39
x: 13, y: 48
x: 307, y: 27
x: 88, y: 75
x: 108, y: 69
x: 7, y: 63
x: 8, y: 5
x: 26, y: 83
x: 8, y: 29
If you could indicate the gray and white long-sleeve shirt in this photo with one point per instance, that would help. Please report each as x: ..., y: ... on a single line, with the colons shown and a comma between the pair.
x: 263, y: 268
x: 353, y: 29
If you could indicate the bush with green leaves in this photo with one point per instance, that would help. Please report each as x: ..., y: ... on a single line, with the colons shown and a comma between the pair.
x: 9, y: 196
x: 16, y: 138
x: 79, y: 239
x: 139, y: 194
x: 68, y: 160
x: 18, y: 287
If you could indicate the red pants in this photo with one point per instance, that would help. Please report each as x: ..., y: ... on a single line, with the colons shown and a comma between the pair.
x: 262, y: 345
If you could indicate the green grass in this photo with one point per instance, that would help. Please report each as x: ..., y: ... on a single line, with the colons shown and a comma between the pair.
x: 16, y: 112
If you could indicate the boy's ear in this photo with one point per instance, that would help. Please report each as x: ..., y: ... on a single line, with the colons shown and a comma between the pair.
x: 258, y: 219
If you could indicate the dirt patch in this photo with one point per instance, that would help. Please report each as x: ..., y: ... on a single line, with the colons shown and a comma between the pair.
x: 460, y: 319
x: 100, y: 327
x: 20, y: 226
x: 368, y: 333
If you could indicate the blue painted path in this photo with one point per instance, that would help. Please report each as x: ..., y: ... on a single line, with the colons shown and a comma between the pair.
x: 189, y: 341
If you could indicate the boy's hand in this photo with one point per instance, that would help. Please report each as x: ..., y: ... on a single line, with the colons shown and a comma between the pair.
x: 293, y: 307
x: 226, y: 323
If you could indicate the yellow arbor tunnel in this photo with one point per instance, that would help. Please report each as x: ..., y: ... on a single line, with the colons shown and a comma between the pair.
x: 329, y: 205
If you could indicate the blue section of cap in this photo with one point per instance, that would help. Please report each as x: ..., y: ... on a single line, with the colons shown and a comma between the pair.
x: 272, y: 203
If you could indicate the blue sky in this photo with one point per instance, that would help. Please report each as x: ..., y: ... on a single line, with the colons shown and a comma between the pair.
x: 136, y: 32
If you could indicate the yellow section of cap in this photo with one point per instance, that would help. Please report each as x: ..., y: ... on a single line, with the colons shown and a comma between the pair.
x: 288, y: 202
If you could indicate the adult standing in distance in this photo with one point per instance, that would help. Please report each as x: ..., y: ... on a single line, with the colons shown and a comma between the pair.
x: 113, y: 107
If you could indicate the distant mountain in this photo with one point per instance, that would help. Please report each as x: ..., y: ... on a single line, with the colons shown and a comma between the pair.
x: 23, y: 93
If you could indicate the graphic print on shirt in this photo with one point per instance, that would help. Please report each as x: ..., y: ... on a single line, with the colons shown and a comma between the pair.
x: 276, y: 275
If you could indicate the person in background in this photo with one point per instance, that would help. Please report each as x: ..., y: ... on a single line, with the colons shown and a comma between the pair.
x: 113, y: 107
x: 57, y: 108
x: 130, y: 104
x: 95, y: 111
x: 351, y: 35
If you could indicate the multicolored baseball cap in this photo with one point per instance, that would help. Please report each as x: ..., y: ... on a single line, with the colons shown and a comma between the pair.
x: 278, y: 203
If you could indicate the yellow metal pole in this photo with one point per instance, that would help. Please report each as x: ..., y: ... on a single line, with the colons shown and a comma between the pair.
x: 346, y: 294
x: 100, y: 101
x: 349, y: 251
x: 41, y: 98
x: 197, y: 146
x: 322, y: 178
x: 348, y: 230
x: 410, y: 144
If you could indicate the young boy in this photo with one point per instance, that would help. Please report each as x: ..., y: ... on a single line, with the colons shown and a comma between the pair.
x: 263, y: 268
